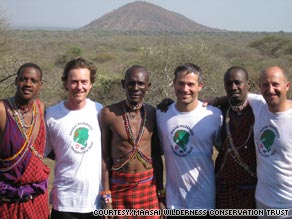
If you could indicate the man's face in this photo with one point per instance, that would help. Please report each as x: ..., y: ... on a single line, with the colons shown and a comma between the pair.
x: 187, y: 87
x: 78, y: 85
x: 274, y: 87
x: 28, y: 83
x: 236, y: 86
x: 136, y: 85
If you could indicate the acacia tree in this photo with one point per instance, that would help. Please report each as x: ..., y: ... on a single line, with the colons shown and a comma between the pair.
x: 271, y: 46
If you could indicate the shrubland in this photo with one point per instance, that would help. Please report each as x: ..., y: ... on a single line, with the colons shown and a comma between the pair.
x: 160, y: 54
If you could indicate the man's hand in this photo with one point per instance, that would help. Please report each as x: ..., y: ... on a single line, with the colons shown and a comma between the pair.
x: 162, y: 206
x: 164, y: 104
x: 107, y: 206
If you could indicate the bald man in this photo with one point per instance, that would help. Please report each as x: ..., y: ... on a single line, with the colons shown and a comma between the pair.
x: 273, y: 140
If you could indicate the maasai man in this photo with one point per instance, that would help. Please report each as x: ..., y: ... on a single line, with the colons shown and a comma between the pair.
x: 132, y: 165
x: 24, y: 176
x: 235, y: 164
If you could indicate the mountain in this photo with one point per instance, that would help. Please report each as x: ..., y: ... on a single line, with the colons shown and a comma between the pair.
x: 141, y: 16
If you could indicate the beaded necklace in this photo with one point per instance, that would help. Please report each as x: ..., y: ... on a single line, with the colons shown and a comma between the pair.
x: 236, y: 157
x: 133, y: 107
x: 24, y: 109
x: 134, y: 142
x: 27, y: 136
x: 20, y: 120
x: 239, y: 108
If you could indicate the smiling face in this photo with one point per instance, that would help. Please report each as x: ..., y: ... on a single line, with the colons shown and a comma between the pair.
x: 78, y: 86
x: 187, y: 88
x: 236, y: 85
x: 136, y: 84
x: 28, y: 83
x: 274, y: 86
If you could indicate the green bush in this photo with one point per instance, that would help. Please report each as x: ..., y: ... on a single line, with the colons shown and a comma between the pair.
x: 271, y: 46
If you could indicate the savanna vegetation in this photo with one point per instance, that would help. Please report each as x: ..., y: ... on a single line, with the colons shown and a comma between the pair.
x: 160, y: 54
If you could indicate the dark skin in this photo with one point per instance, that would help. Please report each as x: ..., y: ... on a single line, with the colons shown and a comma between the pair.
x: 236, y: 86
x: 115, y: 143
x: 28, y: 84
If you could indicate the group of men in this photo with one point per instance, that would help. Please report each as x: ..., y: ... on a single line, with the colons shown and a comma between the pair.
x: 110, y: 157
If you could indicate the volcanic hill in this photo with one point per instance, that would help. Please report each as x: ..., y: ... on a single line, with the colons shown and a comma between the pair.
x: 141, y: 16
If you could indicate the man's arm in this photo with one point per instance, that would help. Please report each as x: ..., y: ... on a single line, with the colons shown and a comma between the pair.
x: 156, y: 153
x: 106, y: 154
x: 2, y: 120
x: 216, y: 101
x: 164, y: 104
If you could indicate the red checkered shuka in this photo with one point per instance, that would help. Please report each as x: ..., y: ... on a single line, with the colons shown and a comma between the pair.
x: 134, y: 191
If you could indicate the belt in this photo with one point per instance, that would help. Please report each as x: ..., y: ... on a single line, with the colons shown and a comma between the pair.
x: 25, y: 198
x: 119, y: 181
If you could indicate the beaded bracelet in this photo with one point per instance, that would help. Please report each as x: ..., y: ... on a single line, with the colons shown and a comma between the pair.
x: 106, y: 196
x: 102, y: 193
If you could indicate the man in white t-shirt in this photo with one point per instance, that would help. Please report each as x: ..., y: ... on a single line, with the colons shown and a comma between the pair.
x: 273, y: 140
x: 187, y: 133
x: 73, y: 134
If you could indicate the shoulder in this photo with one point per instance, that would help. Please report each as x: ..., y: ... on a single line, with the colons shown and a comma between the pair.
x: 151, y: 112
x: 255, y: 100
x: 2, y: 109
x: 54, y: 107
x: 2, y: 116
x: 53, y: 110
x: 252, y: 97
x: 168, y: 110
x: 114, y: 108
x: 41, y: 105
x: 150, y: 108
x: 97, y: 105
x: 213, y: 109
x: 111, y: 111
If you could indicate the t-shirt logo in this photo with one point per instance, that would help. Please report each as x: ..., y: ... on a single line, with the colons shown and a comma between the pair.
x: 181, y: 137
x: 81, y: 137
x: 267, y: 139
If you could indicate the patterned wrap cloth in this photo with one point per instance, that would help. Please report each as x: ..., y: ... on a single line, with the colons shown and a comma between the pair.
x: 134, y: 191
x: 235, y: 187
x: 29, y: 174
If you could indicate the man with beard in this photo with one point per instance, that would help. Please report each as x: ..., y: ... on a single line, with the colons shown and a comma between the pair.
x: 132, y: 165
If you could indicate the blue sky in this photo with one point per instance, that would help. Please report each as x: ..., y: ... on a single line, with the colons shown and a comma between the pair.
x: 237, y: 15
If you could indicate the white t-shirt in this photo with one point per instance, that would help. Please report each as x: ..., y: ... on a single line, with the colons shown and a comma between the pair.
x: 273, y: 140
x: 187, y: 140
x: 74, y: 135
